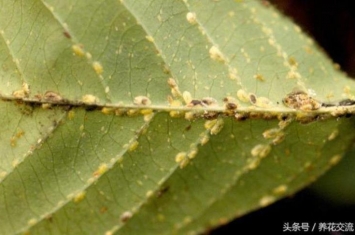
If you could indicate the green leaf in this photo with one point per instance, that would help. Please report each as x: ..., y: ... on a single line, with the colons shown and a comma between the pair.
x: 146, y: 117
x: 337, y: 186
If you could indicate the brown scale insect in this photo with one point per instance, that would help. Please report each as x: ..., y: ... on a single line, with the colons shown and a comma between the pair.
x: 347, y: 102
x: 162, y: 191
x: 125, y: 216
x: 195, y: 103
x: 208, y: 101
x: 252, y: 98
x: 231, y: 106
x: 241, y: 116
x: 67, y: 34
x: 230, y: 103
x: 141, y: 100
x: 210, y: 115
x: 52, y: 96
x: 188, y: 128
x: 302, y: 101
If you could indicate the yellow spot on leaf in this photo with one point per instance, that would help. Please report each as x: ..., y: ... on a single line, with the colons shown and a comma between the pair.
x: 280, y: 189
x: 149, y: 193
x: 253, y: 163
x: 189, y: 116
x: 204, y: 139
x: 141, y: 100
x: 172, y: 83
x: 278, y: 139
x: 192, y: 154
x: 149, y: 38
x: 271, y: 133
x: 148, y: 117
x: 132, y: 112
x: 210, y: 123
x: 259, y: 77
x: 266, y: 200
x: 15, y: 163
x: 88, y: 55
x: 175, y: 113
x: 217, y: 127
x: 187, y: 97
x: 3, y: 174
x: 133, y: 146
x: 13, y: 141
x: 97, y: 67
x: 243, y: 96
x: 263, y: 102
x: 180, y: 157
x: 101, y: 170
x: 191, y: 17
x: 233, y: 74
x: 32, y: 222
x: 78, y: 50
x: 216, y: 54
x: 292, y: 61
x: 46, y: 106
x: 184, y: 163
x: 293, y: 75
x: 335, y: 160
x: 261, y: 150
x: 333, y: 135
x: 107, y: 110
x: 174, y: 87
x: 79, y: 197
x: 284, y: 123
x: 22, y: 93
x: 125, y: 216
x: 89, y: 99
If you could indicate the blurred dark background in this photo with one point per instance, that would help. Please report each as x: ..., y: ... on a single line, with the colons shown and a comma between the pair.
x: 332, y: 24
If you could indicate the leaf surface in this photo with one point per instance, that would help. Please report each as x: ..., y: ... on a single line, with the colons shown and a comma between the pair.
x: 146, y: 117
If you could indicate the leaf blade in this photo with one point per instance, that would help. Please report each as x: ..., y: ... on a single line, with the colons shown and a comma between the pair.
x: 119, y: 63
